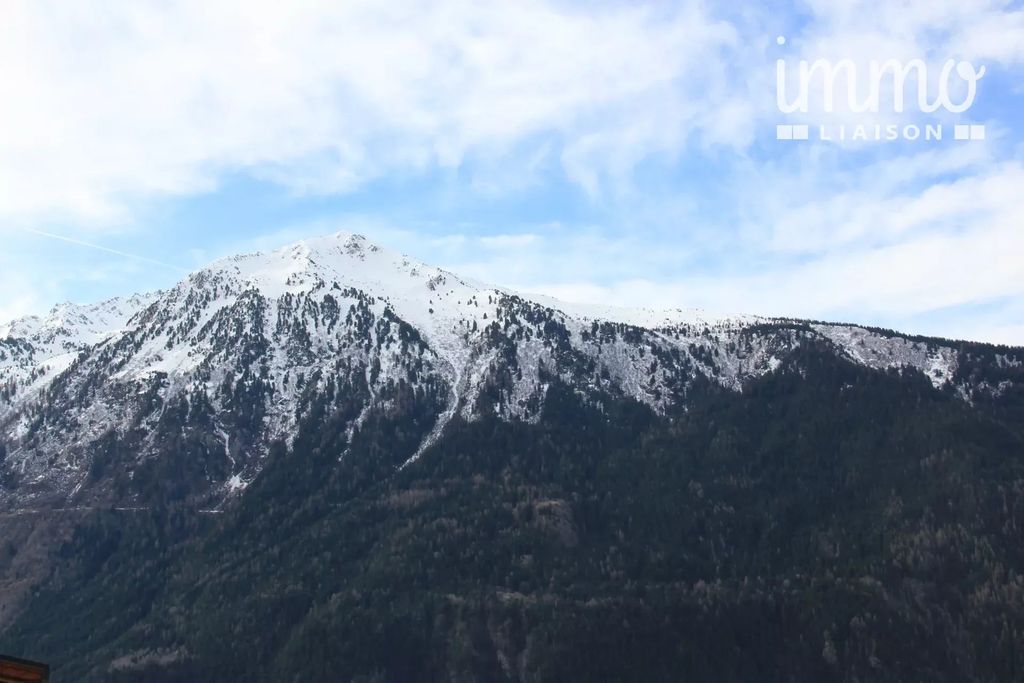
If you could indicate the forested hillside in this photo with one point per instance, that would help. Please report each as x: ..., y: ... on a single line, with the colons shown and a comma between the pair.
x: 828, y: 522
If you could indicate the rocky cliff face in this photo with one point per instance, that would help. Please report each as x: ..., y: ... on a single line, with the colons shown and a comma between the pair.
x: 331, y: 462
x: 180, y: 394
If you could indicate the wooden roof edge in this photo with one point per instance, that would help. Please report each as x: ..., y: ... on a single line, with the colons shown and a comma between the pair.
x: 25, y: 662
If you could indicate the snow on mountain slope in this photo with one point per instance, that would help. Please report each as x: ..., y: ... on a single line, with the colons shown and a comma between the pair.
x: 650, y: 318
x: 69, y: 326
x: 35, y: 349
x: 938, y: 363
x: 245, y: 351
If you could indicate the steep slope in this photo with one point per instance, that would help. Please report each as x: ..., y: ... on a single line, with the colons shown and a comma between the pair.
x: 35, y: 349
x: 180, y: 394
x: 332, y: 462
x: 830, y: 522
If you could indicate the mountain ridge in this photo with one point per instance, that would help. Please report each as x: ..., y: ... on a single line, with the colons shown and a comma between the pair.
x: 254, y: 328
x: 335, y: 463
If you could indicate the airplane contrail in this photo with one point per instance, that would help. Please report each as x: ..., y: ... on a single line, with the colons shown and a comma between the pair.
x: 98, y: 247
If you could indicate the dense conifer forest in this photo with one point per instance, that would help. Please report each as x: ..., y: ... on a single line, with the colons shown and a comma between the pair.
x: 829, y: 522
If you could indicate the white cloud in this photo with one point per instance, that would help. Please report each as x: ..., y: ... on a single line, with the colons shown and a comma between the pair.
x: 103, y: 105
x: 988, y: 30
x: 819, y: 206
x: 30, y: 300
x: 509, y: 241
x: 894, y: 254
x: 880, y: 257
x: 987, y: 33
x: 29, y: 288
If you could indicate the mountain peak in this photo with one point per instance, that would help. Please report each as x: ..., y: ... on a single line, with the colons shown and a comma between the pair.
x: 243, y: 346
x: 347, y: 243
x: 328, y: 255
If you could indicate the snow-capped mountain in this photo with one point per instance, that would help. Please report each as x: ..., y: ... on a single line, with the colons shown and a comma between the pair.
x: 182, y: 393
x: 35, y: 347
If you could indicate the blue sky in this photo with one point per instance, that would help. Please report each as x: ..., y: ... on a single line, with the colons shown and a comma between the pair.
x: 618, y: 152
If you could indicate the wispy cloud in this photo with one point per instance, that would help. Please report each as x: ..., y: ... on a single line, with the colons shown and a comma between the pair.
x: 103, y: 106
x: 608, y: 151
x: 108, y: 250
